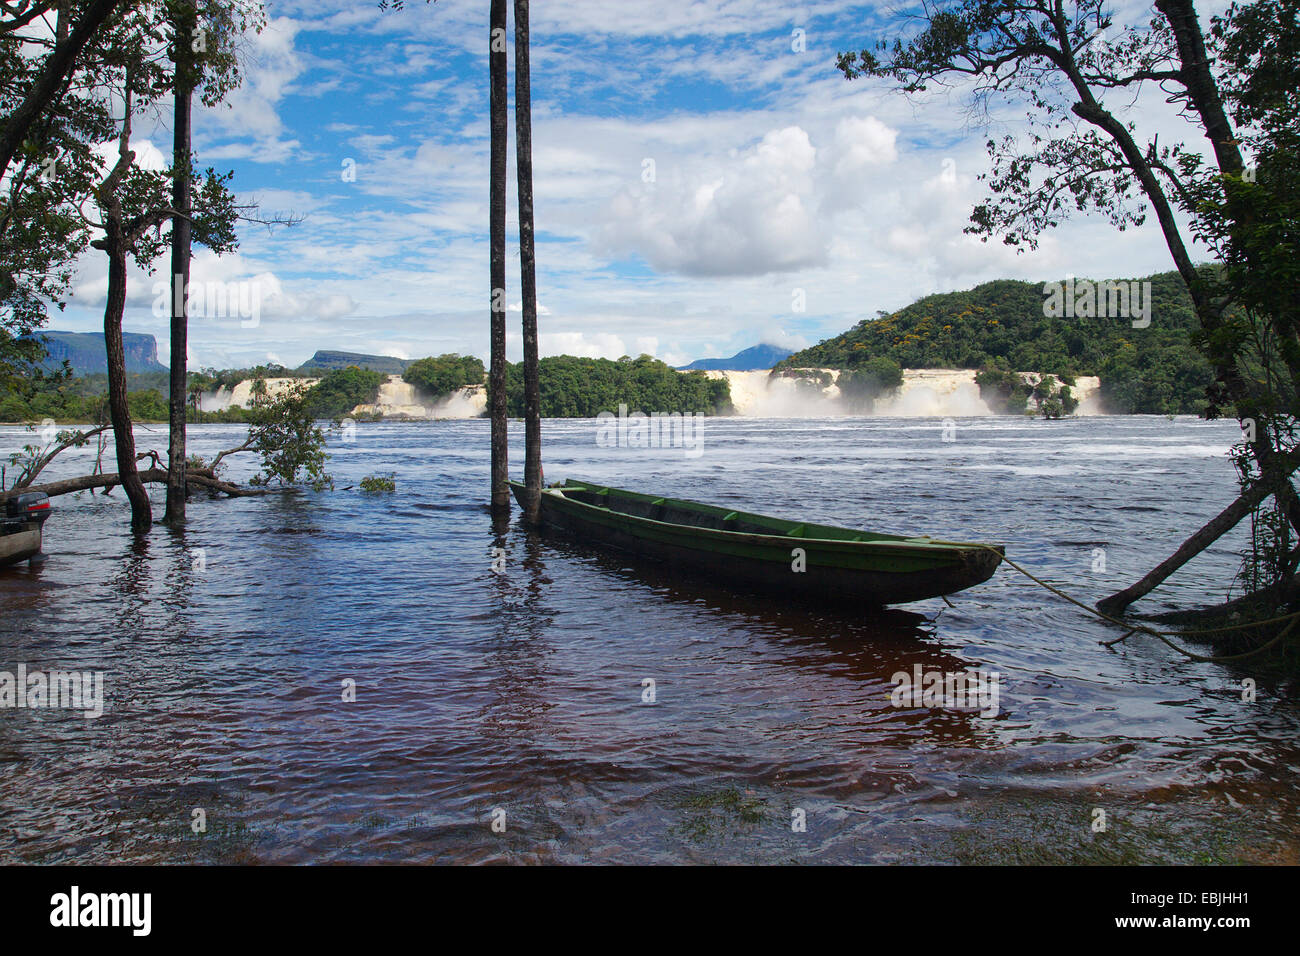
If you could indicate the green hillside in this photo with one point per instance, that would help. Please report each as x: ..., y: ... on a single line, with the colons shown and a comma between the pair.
x: 1001, y: 325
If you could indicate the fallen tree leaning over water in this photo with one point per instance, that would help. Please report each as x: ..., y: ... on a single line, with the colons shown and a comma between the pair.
x: 198, y: 478
x: 1081, y: 73
x: 284, y: 434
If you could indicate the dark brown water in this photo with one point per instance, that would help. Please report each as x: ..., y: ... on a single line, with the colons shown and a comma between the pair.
x: 224, y: 651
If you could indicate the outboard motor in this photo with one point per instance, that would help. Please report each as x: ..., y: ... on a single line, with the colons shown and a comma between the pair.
x: 26, y: 510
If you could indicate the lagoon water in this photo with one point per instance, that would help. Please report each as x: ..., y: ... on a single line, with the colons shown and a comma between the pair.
x: 519, y: 698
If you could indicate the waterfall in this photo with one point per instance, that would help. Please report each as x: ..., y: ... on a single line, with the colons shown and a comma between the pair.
x: 242, y: 394
x: 396, y: 399
x: 925, y: 393
x: 400, y: 399
x: 933, y: 393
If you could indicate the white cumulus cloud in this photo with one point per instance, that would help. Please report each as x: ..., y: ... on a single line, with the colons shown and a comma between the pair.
x: 759, y: 210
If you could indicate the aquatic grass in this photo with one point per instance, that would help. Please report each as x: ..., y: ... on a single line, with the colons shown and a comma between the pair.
x: 715, y: 813
x: 1050, y: 832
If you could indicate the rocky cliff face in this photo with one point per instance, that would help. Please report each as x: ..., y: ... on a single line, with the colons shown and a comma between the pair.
x: 326, y: 360
x: 84, y: 351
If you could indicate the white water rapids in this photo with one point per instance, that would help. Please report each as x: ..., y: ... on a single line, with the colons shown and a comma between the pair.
x: 925, y: 393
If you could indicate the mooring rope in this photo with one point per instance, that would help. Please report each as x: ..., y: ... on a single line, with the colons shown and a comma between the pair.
x: 1162, y: 635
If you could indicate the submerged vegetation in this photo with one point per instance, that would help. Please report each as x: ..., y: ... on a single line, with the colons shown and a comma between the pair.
x: 719, y: 813
x: 282, y: 431
x: 379, y: 483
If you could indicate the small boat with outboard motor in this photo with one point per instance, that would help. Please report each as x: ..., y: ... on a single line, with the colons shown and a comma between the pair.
x: 20, y: 526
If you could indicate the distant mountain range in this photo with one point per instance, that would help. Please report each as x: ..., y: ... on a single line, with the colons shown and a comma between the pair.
x: 751, y: 359
x: 85, y: 352
x: 327, y: 361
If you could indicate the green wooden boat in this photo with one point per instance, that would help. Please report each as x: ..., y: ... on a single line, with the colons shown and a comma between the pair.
x: 840, y: 565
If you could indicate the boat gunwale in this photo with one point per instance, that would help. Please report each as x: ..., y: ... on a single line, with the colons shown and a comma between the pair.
x: 934, y: 547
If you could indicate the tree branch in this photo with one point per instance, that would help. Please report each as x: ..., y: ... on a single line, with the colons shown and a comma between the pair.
x: 57, y: 67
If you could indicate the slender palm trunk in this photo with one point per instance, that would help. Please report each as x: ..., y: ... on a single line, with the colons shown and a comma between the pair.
x: 180, y: 267
x: 527, y: 266
x: 123, y: 439
x: 500, y: 114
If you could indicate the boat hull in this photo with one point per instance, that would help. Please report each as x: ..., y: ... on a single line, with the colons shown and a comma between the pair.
x: 862, y: 573
x: 20, y: 546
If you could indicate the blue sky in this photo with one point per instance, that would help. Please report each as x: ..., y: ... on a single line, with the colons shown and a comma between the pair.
x: 697, y: 177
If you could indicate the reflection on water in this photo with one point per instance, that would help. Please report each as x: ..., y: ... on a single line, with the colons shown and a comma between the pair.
x: 228, y: 650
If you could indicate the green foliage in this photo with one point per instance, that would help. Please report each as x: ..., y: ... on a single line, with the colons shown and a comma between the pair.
x: 444, y: 374
x: 83, y: 398
x: 860, y: 387
x: 574, y: 387
x: 147, y: 406
x: 43, y: 231
x: 1003, y: 390
x: 342, y: 390
x: 1166, y: 380
x: 1250, y: 218
x: 34, y: 457
x: 57, y: 177
x: 235, y: 414
x: 292, y: 446
x: 571, y: 387
x: 379, y: 483
x: 1000, y: 325
x: 1065, y: 396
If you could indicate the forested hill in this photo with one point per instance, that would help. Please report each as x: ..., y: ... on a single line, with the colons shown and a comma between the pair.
x: 1001, y: 324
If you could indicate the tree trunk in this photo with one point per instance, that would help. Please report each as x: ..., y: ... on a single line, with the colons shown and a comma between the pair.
x: 499, y: 111
x: 183, y: 88
x: 154, y: 476
x: 1203, y: 93
x: 1197, y: 77
x: 1204, y: 97
x: 123, y: 439
x: 527, y: 267
x: 1218, y: 526
x: 67, y: 486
